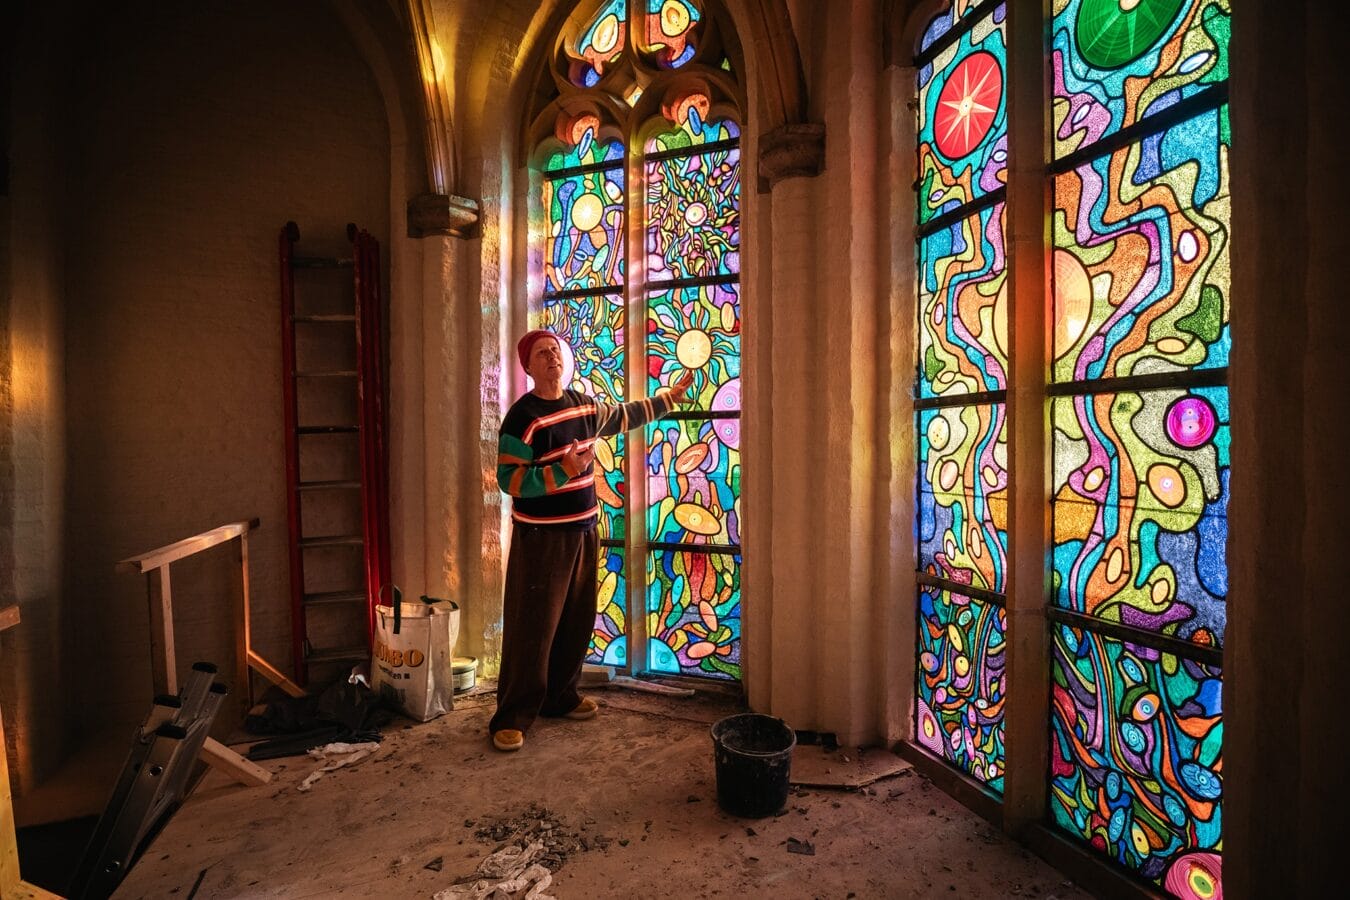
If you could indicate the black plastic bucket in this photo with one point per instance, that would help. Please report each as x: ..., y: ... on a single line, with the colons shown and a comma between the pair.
x: 753, y: 754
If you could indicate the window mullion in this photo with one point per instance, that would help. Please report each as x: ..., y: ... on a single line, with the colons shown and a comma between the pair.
x: 635, y: 367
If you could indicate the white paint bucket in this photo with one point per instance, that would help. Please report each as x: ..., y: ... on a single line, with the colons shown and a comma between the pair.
x: 464, y: 673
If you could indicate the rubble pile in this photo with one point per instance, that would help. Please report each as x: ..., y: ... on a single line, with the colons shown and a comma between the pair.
x: 538, y: 824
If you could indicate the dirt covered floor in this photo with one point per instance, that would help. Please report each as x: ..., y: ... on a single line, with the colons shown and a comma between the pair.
x: 624, y: 806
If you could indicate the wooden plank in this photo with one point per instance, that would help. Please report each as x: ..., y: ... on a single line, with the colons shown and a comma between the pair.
x: 9, y: 843
x: 163, y: 664
x: 12, y: 885
x: 273, y: 674
x: 25, y: 891
x: 162, y: 556
x: 222, y: 758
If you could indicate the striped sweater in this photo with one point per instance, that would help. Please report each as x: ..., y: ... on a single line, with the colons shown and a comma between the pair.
x: 534, y: 437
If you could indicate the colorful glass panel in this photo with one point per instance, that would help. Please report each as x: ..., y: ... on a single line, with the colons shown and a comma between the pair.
x: 597, y: 44
x: 962, y: 519
x: 693, y: 215
x: 610, y: 489
x: 593, y: 329
x: 698, y: 329
x: 943, y: 21
x: 609, y: 646
x: 962, y: 682
x: 692, y: 127
x: 1141, y: 271
x: 587, y: 151
x: 1135, y: 757
x: 1141, y: 475
x: 1140, y: 509
x: 584, y: 248
x: 963, y: 126
x: 1117, y: 63
x: 670, y: 28
x: 693, y: 483
x: 694, y: 613
x: 963, y: 307
x: 691, y: 206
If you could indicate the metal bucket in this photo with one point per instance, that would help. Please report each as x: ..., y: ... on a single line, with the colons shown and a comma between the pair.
x: 464, y: 673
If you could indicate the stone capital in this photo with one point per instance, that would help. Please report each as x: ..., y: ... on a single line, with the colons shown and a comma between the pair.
x: 430, y: 214
x: 791, y: 151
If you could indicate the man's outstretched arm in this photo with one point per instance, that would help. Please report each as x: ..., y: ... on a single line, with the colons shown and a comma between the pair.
x: 627, y: 416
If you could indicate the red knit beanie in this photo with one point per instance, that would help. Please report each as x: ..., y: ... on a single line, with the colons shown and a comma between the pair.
x: 526, y: 344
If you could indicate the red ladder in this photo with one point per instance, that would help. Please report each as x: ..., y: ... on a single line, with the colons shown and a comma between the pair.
x: 364, y: 442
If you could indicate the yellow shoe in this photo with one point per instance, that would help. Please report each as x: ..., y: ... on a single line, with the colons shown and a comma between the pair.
x: 508, y: 739
x: 586, y: 709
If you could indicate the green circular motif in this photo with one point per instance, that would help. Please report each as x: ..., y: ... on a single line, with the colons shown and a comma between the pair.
x: 1111, y: 33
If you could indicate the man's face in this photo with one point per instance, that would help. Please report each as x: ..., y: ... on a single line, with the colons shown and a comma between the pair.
x: 546, y: 361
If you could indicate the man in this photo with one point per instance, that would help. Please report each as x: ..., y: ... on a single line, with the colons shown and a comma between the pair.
x: 544, y: 461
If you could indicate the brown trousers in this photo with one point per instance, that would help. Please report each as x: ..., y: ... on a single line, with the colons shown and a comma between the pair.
x: 547, y: 618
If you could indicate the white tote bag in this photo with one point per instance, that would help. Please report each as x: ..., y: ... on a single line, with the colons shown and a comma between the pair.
x: 414, y: 649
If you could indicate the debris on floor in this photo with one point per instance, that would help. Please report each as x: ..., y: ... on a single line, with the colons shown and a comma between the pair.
x: 510, y: 871
x: 443, y: 793
x: 538, y: 824
x: 648, y: 687
x: 595, y: 676
x: 537, y: 845
x: 814, y: 766
x: 335, y: 756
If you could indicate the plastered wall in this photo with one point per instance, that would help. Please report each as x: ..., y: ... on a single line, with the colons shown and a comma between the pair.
x: 35, y: 686
x: 191, y: 133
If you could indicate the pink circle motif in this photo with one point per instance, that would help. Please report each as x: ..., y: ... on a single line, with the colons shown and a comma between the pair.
x: 1195, y: 876
x: 930, y: 729
x: 728, y: 399
x: 1190, y: 422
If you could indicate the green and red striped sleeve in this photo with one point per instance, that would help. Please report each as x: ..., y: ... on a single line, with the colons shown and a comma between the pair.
x: 634, y: 414
x: 519, y: 476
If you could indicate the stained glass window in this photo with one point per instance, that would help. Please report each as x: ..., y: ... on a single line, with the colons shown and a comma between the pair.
x: 694, y: 613
x: 962, y: 127
x: 684, y: 616
x: 963, y: 307
x: 961, y: 682
x: 943, y: 22
x: 1139, y: 416
x: 963, y: 494
x: 609, y: 641
x: 1116, y: 64
x: 1141, y: 256
x: 1140, y: 509
x: 584, y: 260
x: 960, y: 389
x: 598, y: 44
x: 693, y: 463
x: 1135, y: 762
x: 670, y: 32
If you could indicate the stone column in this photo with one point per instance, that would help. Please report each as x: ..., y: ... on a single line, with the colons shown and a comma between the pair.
x: 1026, y: 712
x: 1284, y: 655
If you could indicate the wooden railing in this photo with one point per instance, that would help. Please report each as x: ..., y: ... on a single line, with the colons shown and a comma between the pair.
x: 154, y: 565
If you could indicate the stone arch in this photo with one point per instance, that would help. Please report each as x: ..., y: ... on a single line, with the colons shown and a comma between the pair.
x: 905, y: 21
